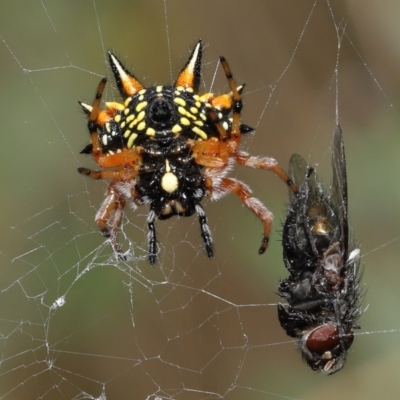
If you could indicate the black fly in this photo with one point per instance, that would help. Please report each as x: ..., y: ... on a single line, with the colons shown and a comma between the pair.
x: 323, y: 289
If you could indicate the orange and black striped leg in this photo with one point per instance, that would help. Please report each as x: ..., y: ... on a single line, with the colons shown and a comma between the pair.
x: 267, y: 163
x: 92, y: 124
x: 237, y: 100
x: 229, y: 185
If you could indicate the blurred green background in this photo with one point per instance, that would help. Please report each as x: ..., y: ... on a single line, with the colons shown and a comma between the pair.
x: 190, y: 328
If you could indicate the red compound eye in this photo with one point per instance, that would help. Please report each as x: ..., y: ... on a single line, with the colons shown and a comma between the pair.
x: 322, y: 339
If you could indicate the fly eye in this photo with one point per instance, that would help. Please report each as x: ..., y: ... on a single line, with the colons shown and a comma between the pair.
x: 323, y: 339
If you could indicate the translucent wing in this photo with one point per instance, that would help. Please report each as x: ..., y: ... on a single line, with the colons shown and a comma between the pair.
x: 339, y: 186
x: 299, y: 171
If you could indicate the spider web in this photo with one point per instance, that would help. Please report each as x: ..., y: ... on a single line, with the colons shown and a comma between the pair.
x: 77, y: 324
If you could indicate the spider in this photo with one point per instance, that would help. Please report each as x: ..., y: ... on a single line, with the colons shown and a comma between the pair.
x: 169, y: 147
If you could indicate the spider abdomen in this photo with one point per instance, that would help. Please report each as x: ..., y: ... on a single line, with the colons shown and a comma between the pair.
x: 171, y: 182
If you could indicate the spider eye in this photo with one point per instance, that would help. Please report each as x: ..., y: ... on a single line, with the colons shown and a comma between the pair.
x: 162, y: 113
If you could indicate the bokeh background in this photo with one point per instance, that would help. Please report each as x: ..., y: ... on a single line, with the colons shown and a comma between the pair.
x: 76, y: 324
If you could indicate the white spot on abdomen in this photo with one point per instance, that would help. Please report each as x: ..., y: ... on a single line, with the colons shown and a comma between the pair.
x: 169, y: 181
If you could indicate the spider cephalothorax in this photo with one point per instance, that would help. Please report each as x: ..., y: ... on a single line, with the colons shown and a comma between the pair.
x: 168, y: 147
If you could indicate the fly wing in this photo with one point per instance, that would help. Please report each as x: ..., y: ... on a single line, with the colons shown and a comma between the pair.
x: 339, y: 187
x: 300, y: 171
x: 297, y: 169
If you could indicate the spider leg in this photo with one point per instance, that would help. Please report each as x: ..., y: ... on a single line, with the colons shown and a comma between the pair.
x: 152, y: 238
x: 267, y: 163
x: 229, y: 185
x: 205, y: 231
x: 92, y: 124
x: 114, y: 222
x: 123, y: 174
x: 237, y: 100
x: 109, y: 217
x: 107, y: 174
x: 103, y: 215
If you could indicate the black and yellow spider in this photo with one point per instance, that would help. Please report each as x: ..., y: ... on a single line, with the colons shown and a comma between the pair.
x: 168, y: 147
